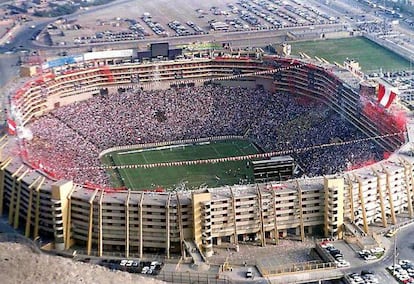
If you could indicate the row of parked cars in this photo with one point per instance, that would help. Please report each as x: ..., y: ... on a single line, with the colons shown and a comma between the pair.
x: 366, y: 277
x: 371, y: 254
x: 403, y: 271
x: 336, y: 254
x: 133, y: 266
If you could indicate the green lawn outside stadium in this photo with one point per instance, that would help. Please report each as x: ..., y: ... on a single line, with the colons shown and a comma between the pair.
x: 370, y: 55
x: 192, y: 176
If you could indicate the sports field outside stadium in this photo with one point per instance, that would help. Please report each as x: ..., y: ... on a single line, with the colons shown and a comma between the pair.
x: 186, y: 176
x: 371, y: 56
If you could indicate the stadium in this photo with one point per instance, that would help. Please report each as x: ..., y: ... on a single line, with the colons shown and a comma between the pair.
x: 64, y: 196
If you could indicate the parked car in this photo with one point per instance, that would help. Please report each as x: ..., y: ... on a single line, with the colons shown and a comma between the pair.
x: 326, y: 244
x: 363, y: 252
x: 391, y: 267
x: 249, y: 273
x: 377, y: 250
x: 154, y: 264
x: 404, y: 262
x: 370, y: 257
x: 342, y: 263
x: 391, y: 233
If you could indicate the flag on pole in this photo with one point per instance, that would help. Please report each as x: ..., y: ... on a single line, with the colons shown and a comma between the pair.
x: 11, y: 124
x: 386, y: 95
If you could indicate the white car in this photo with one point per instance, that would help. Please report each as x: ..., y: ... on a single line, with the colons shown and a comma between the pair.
x: 391, y: 233
x: 373, y: 280
x: 153, y: 265
x: 249, y: 273
x: 377, y: 250
x: 396, y: 274
x: 391, y: 267
x: 399, y: 273
x: 326, y: 244
x: 358, y: 279
x: 370, y: 257
x: 342, y: 263
x: 401, y: 270
x: 363, y: 252
x: 145, y: 270
x: 403, y: 277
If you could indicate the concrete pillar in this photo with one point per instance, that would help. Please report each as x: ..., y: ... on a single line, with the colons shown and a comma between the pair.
x: 127, y: 223
x: 180, y: 225
x: 167, y: 226
x: 100, y: 226
x: 381, y: 198
x: 37, y: 214
x: 393, y: 216
x: 141, y: 241
x: 3, y: 166
x: 12, y: 194
x: 90, y: 226
x: 233, y: 206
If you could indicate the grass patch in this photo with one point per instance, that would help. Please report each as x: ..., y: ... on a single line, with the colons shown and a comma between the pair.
x: 370, y: 55
x: 188, y: 176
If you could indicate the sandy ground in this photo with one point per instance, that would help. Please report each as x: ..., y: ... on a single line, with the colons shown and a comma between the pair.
x: 18, y: 264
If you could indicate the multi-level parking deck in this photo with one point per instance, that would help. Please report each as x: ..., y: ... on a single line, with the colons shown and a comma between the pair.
x: 101, y: 221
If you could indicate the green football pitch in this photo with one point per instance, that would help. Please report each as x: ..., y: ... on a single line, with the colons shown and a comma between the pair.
x: 370, y: 55
x: 186, y: 176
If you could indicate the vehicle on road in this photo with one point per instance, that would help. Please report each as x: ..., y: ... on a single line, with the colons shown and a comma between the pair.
x: 342, y: 263
x: 370, y: 257
x: 249, y: 273
x: 391, y: 233
x: 377, y: 250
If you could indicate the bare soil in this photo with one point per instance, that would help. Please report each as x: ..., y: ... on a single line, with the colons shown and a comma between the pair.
x: 18, y: 264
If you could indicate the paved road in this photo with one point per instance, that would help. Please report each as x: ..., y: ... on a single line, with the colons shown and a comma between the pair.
x: 405, y: 250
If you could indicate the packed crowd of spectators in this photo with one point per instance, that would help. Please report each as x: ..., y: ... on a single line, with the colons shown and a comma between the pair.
x: 69, y: 139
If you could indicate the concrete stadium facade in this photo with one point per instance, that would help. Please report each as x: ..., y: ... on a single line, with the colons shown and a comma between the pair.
x: 132, y: 223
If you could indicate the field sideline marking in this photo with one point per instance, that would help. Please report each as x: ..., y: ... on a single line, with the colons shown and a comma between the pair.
x: 152, y: 149
x: 261, y: 155
x: 145, y: 159
x: 124, y: 172
x: 127, y: 176
x: 215, y: 150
